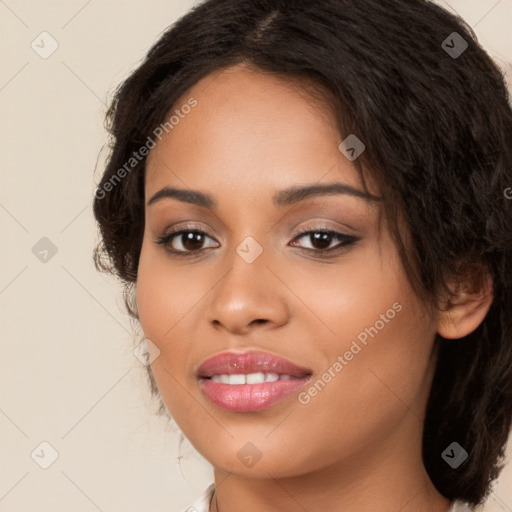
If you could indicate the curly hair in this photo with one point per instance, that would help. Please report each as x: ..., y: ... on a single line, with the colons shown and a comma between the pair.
x: 437, y: 127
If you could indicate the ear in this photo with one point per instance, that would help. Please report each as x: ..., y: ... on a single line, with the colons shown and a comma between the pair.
x: 466, y: 309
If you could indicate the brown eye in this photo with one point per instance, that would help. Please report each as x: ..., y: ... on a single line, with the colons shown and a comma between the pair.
x: 192, y: 240
x: 321, y: 239
x: 184, y: 241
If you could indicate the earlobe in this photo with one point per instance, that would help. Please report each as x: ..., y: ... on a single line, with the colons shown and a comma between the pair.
x: 466, y: 310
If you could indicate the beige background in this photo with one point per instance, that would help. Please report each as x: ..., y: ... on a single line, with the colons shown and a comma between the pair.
x: 67, y: 373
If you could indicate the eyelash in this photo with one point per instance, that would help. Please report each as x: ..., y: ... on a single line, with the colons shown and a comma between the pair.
x: 345, y: 241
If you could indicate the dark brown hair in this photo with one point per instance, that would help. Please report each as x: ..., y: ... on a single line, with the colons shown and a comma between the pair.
x: 437, y: 127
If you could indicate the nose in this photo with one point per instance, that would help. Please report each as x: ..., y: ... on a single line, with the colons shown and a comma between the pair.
x: 248, y: 295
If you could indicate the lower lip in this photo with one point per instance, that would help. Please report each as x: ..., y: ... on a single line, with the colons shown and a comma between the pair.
x: 250, y: 397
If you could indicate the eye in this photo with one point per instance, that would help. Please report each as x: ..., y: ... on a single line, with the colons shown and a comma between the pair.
x: 321, y: 239
x: 184, y: 241
x: 189, y: 241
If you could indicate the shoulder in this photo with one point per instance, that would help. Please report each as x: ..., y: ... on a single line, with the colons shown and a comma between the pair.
x: 202, y: 504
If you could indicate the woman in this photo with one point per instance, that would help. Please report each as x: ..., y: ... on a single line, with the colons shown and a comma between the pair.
x: 306, y: 203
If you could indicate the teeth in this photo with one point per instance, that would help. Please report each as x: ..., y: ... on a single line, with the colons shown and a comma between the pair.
x: 254, y: 378
x: 250, y: 378
x: 237, y: 379
x: 223, y: 379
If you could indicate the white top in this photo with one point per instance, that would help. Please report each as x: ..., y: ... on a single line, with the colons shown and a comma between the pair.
x: 202, y: 504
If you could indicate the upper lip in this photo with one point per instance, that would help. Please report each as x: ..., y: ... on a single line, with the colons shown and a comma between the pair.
x: 250, y: 362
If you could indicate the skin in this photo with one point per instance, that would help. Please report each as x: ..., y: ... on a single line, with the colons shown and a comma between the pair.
x: 356, y: 446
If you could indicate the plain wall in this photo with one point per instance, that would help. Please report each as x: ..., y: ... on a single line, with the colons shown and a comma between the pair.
x: 67, y: 372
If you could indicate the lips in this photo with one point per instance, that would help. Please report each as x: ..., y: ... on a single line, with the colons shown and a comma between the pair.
x: 250, y: 381
x: 250, y: 362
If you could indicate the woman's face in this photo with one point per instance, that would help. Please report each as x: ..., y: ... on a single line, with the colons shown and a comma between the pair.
x: 349, y: 318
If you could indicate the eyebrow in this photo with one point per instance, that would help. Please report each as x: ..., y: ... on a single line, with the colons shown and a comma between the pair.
x: 282, y: 198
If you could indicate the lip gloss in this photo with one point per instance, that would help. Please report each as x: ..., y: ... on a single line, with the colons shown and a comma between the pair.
x: 250, y: 397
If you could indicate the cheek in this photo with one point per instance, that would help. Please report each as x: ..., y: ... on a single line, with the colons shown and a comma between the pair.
x: 169, y: 297
x: 345, y: 298
x: 153, y: 304
x: 164, y: 298
x: 384, y: 338
x: 166, y: 293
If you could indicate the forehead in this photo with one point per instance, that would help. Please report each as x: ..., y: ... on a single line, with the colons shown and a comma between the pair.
x: 248, y: 131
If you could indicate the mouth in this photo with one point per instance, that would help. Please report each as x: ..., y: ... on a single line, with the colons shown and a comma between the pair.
x: 250, y: 381
x: 235, y: 379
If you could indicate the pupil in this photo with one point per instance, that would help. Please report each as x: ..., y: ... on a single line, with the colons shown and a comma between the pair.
x: 189, y: 241
x: 322, y: 239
